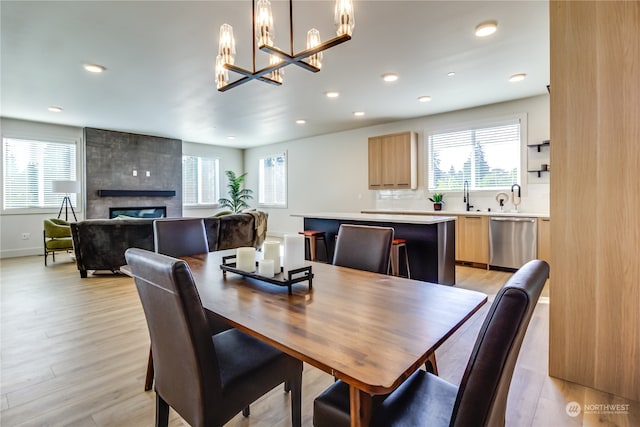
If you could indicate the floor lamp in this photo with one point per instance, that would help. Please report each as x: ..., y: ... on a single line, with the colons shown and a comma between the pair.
x: 66, y: 188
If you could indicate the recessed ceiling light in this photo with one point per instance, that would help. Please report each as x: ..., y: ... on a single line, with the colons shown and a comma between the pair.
x: 424, y: 98
x: 358, y: 113
x: 486, y: 28
x: 231, y: 137
x: 301, y: 121
x: 332, y: 94
x: 517, y: 77
x: 55, y: 109
x: 451, y: 74
x: 94, y: 68
x: 390, y: 77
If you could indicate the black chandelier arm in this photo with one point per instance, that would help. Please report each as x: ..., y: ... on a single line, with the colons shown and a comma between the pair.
x: 248, y: 76
x: 298, y: 57
x: 288, y: 59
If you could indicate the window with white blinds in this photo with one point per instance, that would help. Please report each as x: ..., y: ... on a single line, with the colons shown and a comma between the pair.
x: 200, y: 181
x: 272, y: 177
x: 488, y: 157
x: 29, y: 167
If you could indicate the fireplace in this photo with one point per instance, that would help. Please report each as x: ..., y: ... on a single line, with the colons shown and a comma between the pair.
x: 129, y: 212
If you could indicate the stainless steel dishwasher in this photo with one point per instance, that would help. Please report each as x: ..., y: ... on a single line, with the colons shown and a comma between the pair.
x: 512, y: 241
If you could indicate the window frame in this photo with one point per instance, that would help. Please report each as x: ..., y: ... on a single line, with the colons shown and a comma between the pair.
x: 199, y: 190
x: 261, y: 159
x: 43, y: 137
x: 476, y: 125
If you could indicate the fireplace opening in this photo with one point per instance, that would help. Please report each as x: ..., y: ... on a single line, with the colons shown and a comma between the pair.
x: 138, y: 212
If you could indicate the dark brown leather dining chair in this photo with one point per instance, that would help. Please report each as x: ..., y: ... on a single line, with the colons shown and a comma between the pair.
x: 481, y: 399
x: 180, y: 237
x: 207, y: 379
x: 363, y: 247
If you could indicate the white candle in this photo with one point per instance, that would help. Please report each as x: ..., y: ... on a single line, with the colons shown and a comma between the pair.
x: 265, y: 267
x: 246, y: 259
x: 293, y: 252
x: 271, y: 250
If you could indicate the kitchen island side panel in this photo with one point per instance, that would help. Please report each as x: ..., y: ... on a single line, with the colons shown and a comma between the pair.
x: 431, y: 247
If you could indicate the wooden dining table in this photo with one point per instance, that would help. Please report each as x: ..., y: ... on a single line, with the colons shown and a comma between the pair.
x: 369, y: 330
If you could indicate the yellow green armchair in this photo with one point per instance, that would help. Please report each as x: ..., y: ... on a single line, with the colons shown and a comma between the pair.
x: 57, y: 237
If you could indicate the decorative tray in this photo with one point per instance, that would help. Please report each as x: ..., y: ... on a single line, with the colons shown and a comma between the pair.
x: 280, y: 279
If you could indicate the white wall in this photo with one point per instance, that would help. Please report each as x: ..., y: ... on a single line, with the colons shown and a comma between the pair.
x: 330, y: 172
x: 13, y: 225
x: 230, y: 159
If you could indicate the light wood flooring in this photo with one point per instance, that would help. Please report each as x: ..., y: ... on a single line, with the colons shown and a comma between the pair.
x: 74, y: 353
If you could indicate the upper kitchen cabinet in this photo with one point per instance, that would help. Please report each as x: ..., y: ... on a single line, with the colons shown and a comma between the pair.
x: 393, y: 161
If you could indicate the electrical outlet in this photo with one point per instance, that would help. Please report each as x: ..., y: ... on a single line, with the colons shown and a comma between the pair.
x: 26, y: 236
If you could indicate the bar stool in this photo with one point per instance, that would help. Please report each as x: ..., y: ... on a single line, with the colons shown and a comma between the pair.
x: 311, y: 238
x: 395, y: 257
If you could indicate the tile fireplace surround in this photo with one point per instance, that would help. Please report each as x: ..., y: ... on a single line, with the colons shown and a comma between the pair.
x: 129, y: 170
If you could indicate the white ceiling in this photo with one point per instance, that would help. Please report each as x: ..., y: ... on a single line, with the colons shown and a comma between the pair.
x: 160, y: 55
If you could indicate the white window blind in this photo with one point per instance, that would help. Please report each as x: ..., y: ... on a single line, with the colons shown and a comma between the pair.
x: 200, y: 181
x: 29, y: 167
x: 488, y: 157
x: 272, y: 176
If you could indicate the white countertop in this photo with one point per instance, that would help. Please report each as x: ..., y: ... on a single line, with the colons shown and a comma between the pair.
x: 396, y: 212
x: 377, y: 217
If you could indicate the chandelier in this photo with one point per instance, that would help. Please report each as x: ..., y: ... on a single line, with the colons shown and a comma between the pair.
x: 264, y: 39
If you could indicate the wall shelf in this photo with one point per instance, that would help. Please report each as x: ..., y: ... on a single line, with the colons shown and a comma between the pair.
x: 539, y: 162
x: 544, y: 143
x: 539, y: 171
x: 136, y: 193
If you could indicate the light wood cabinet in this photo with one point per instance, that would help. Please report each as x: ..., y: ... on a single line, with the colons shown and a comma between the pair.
x: 594, y: 321
x: 544, y: 239
x: 392, y: 161
x: 472, y: 239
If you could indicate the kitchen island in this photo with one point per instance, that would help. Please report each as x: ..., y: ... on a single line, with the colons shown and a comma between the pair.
x: 430, y: 239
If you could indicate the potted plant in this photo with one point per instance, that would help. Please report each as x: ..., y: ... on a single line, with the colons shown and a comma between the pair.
x: 238, y: 196
x: 437, y: 200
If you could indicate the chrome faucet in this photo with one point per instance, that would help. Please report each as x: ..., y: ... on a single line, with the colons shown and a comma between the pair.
x: 466, y: 196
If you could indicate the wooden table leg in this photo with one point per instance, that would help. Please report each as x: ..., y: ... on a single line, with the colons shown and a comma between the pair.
x: 360, y: 403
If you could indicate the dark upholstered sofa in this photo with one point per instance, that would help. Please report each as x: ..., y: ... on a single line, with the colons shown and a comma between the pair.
x: 100, y: 244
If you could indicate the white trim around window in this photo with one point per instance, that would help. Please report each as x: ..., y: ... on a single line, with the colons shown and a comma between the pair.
x: 272, y: 181
x: 29, y: 165
x: 489, y: 155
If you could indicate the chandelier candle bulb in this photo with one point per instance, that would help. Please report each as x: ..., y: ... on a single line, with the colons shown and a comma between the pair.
x: 313, y: 40
x: 271, y: 250
x: 264, y: 23
x: 293, y: 252
x: 222, y: 75
x: 227, y: 45
x: 246, y: 259
x: 265, y: 267
x: 344, y: 18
